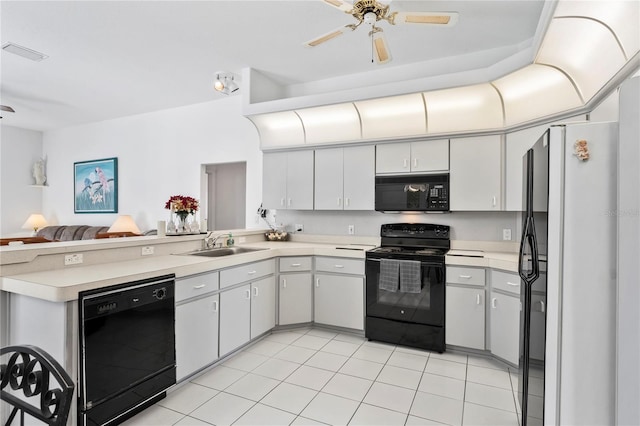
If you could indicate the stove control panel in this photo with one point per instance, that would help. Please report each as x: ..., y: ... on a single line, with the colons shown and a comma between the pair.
x: 414, y: 230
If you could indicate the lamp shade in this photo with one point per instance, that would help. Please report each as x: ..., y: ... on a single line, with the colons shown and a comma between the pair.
x: 124, y: 223
x: 35, y: 222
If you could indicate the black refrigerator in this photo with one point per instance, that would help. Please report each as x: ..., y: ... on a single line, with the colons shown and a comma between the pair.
x: 532, y: 270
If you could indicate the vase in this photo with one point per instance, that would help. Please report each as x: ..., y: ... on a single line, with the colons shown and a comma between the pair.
x: 182, y: 222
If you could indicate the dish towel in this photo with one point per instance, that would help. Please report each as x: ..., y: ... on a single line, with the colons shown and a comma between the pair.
x: 389, y: 275
x: 410, y: 280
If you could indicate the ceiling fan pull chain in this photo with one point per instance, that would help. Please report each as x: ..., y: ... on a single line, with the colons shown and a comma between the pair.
x: 372, y: 44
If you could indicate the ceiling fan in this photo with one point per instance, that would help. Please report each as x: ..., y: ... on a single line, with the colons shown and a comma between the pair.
x: 371, y: 12
x: 6, y: 108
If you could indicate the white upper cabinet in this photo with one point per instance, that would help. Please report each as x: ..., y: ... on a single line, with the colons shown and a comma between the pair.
x: 359, y: 178
x: 413, y: 157
x: 475, y: 173
x: 345, y: 178
x: 430, y: 156
x: 516, y: 146
x: 287, y: 180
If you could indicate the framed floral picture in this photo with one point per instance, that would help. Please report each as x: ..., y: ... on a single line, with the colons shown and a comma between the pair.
x: 96, y: 186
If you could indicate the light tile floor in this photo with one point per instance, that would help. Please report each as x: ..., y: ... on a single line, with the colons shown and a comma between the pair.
x: 315, y: 376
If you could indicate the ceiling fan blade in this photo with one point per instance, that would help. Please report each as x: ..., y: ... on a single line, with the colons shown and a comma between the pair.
x: 445, y: 19
x: 344, y: 6
x: 330, y: 35
x: 381, y: 51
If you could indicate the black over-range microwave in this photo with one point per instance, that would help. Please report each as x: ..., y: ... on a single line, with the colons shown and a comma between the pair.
x: 424, y: 193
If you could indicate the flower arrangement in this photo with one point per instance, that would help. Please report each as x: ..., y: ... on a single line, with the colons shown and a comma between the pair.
x: 182, y: 205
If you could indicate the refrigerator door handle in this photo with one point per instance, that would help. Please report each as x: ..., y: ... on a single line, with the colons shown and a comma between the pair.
x: 529, y: 238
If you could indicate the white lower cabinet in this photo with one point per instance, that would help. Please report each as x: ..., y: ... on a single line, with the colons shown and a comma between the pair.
x: 196, y: 335
x: 339, y: 301
x: 235, y: 318
x: 505, y: 326
x: 465, y: 313
x: 465, y: 307
x: 296, y: 297
x: 263, y: 306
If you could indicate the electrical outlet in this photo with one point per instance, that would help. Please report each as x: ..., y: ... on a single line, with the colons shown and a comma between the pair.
x: 506, y: 234
x: 147, y: 250
x: 299, y: 227
x: 352, y: 229
x: 73, y: 259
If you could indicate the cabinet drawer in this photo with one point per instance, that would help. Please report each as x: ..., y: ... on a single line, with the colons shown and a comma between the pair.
x: 505, y: 282
x: 463, y: 275
x: 195, y: 285
x: 242, y: 273
x: 340, y: 265
x: 292, y: 264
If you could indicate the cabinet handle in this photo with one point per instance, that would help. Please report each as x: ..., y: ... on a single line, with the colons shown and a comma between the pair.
x: 248, y: 294
x: 541, y: 306
x: 295, y: 265
x: 477, y: 299
x: 255, y: 291
x: 339, y: 201
x: 317, y: 282
x: 339, y: 266
x: 404, y: 163
x: 346, y: 201
x: 282, y: 202
x: 415, y: 162
x: 513, y: 284
x: 495, y: 201
x: 466, y: 277
x: 215, y: 306
x: 197, y: 287
x: 284, y: 283
x: 251, y: 272
x: 494, y: 302
x: 289, y: 202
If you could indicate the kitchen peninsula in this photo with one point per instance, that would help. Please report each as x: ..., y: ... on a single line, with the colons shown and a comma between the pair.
x: 36, y: 287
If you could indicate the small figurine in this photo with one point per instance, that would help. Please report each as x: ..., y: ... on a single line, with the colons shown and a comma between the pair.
x: 38, y: 172
x: 581, y: 150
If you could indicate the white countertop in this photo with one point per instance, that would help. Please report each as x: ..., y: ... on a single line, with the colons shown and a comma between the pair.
x: 62, y: 285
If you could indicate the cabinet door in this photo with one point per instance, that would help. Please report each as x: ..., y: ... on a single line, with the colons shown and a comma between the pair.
x: 263, y: 306
x: 475, y: 173
x: 300, y: 180
x: 359, y: 178
x: 295, y: 299
x: 505, y: 327
x: 328, y: 179
x: 430, y: 156
x: 235, y: 314
x: 274, y: 180
x: 393, y: 158
x: 465, y: 313
x: 339, y: 301
x: 196, y: 335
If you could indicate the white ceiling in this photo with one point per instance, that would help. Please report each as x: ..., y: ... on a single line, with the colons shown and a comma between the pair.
x: 109, y: 59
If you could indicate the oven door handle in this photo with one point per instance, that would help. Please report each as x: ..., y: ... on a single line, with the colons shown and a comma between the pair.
x: 424, y: 262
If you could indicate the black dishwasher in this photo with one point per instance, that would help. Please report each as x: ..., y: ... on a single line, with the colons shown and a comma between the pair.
x: 127, y: 349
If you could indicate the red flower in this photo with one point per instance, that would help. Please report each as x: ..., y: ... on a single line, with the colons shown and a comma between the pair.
x: 182, y: 203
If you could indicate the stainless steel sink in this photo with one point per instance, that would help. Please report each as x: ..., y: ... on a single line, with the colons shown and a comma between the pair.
x: 223, y: 251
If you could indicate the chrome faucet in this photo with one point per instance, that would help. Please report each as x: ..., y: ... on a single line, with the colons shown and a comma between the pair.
x: 209, y: 241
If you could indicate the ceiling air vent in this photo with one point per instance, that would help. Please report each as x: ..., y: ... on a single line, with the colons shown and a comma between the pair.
x: 23, y: 51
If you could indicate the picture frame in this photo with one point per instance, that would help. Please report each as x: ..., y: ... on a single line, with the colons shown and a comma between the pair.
x: 95, y: 185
